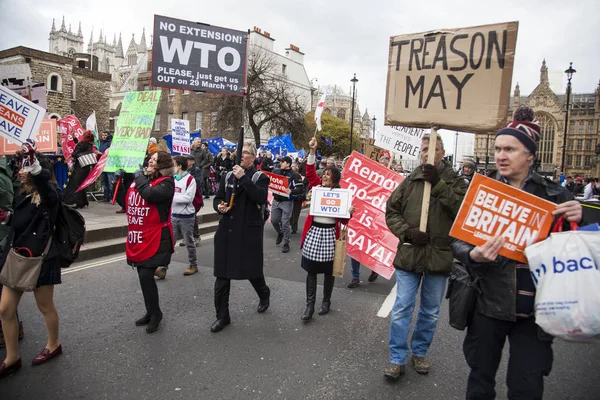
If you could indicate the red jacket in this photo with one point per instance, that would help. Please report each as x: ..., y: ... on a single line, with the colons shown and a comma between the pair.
x: 314, y: 180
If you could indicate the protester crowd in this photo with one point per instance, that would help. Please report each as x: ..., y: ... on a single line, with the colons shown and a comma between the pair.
x: 171, y: 191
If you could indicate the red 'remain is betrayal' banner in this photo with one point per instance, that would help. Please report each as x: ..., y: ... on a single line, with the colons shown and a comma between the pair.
x: 369, y: 239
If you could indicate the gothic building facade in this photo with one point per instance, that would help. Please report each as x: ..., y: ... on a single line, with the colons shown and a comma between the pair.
x: 105, y: 57
x: 339, y: 104
x: 583, y: 130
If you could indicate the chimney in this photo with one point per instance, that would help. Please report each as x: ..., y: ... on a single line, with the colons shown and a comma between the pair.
x: 260, y: 39
x: 294, y: 54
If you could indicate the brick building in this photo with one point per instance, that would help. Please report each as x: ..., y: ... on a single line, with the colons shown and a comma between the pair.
x: 70, y: 88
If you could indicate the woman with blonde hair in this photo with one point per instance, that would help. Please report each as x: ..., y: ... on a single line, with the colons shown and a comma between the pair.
x: 32, y: 225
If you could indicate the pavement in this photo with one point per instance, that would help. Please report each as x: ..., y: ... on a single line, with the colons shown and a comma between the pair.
x: 259, y: 356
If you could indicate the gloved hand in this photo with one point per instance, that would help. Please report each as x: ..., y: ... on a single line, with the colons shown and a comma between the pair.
x: 33, y: 169
x: 28, y: 153
x: 431, y: 174
x: 416, y: 237
x: 138, y: 173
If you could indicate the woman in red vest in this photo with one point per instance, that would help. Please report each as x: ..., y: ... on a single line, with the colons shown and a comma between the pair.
x: 150, y: 233
x: 318, y: 239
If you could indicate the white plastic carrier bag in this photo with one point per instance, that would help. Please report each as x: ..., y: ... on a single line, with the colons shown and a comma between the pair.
x: 565, y: 270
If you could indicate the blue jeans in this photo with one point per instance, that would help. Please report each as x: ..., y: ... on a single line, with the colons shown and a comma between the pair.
x: 107, y: 180
x: 432, y: 293
x: 355, y: 268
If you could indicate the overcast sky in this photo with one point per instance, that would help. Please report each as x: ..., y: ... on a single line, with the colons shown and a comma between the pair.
x: 338, y: 37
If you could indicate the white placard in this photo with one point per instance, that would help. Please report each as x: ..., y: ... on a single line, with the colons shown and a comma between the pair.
x: 20, y: 119
x: 401, y: 140
x: 180, y: 129
x: 333, y: 203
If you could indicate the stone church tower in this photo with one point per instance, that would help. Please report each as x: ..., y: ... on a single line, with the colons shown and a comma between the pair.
x: 64, y: 42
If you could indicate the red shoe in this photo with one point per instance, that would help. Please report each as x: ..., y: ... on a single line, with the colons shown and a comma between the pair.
x: 46, y: 355
x: 14, y: 367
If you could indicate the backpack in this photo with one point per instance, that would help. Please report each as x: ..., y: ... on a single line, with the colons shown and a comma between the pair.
x: 69, y: 233
x: 198, y: 201
x: 266, y: 213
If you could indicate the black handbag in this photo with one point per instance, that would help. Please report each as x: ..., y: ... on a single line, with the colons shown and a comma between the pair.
x: 463, y: 287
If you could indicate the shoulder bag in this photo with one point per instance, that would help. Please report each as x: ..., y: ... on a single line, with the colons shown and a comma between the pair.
x: 463, y: 287
x: 20, y: 272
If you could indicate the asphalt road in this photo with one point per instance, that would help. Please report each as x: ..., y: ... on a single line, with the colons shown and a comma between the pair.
x: 259, y: 356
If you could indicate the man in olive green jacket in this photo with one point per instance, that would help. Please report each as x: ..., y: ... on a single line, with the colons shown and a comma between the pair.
x: 423, y: 258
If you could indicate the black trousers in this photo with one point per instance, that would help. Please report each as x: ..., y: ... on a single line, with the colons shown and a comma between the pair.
x: 222, y: 288
x: 149, y: 290
x: 296, y: 215
x: 530, y: 359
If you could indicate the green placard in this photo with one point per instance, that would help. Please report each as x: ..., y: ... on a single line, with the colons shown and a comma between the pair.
x: 134, y: 127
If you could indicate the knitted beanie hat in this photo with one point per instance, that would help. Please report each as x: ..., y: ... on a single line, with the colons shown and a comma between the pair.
x: 524, y: 128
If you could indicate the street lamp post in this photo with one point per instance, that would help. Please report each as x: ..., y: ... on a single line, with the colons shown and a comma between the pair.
x: 455, y: 150
x: 353, y: 80
x: 569, y: 73
x: 374, y: 119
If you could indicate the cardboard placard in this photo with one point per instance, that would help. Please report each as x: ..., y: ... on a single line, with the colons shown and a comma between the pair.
x: 278, y: 184
x: 369, y: 239
x: 20, y: 119
x: 45, y: 140
x: 373, y: 152
x: 333, y: 203
x: 492, y: 208
x: 451, y: 78
x: 134, y: 127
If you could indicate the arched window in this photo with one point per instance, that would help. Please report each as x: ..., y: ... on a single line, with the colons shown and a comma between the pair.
x: 54, y: 82
x: 341, y: 114
x: 71, y: 52
x: 73, y: 89
x: 54, y: 116
x: 548, y: 128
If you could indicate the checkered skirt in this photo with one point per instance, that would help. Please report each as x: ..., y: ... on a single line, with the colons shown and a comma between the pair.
x: 319, y: 244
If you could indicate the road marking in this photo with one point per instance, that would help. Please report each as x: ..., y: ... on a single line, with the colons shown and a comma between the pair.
x: 94, y: 264
x: 388, y: 303
x: 100, y: 263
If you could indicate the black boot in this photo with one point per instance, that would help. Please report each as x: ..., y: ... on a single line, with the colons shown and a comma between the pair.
x: 311, y: 295
x: 264, y: 300
x: 154, y: 322
x: 145, y: 320
x: 327, y: 289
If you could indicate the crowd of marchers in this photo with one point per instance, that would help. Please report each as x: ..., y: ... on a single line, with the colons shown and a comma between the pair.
x: 171, y: 190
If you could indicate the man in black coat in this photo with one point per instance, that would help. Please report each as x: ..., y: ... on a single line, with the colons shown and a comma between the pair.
x: 239, y: 237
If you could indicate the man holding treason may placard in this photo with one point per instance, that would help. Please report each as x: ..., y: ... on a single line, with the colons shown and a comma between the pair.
x: 423, y: 258
x: 505, y: 305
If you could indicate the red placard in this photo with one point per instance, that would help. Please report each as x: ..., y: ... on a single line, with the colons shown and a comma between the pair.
x: 491, y: 208
x: 45, y: 140
x: 95, y: 172
x: 279, y: 184
x: 69, y: 127
x: 369, y: 239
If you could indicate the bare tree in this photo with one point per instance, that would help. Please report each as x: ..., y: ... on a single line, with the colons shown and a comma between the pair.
x: 272, y: 102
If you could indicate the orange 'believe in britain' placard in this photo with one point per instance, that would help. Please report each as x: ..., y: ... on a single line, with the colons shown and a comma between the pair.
x: 492, y: 208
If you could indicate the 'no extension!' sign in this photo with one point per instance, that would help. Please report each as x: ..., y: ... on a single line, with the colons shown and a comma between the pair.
x: 193, y: 56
